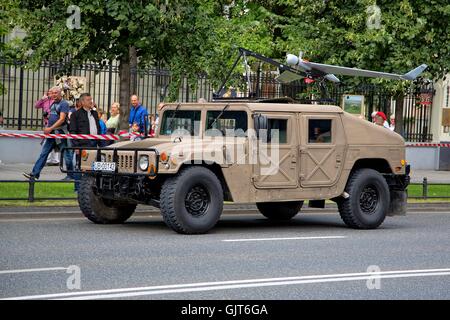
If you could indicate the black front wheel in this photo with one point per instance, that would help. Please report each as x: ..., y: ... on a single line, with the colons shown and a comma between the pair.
x: 192, y: 201
x: 368, y: 204
x: 98, y: 209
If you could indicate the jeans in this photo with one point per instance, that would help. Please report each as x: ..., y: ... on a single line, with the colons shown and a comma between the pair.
x: 48, y: 146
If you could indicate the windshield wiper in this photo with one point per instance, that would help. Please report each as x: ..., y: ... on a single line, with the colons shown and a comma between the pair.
x: 220, y: 114
x: 173, y: 117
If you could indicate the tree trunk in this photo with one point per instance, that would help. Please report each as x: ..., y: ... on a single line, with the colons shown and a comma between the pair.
x: 127, y: 87
x: 399, y: 98
x: 133, y: 70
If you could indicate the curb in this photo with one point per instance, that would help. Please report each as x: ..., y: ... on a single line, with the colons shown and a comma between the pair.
x: 146, y: 211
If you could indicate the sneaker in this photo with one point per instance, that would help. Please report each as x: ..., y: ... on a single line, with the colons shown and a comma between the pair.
x: 52, y: 164
x: 29, y: 176
x: 67, y: 178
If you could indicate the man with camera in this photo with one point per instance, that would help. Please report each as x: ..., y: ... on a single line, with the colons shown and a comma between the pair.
x: 45, y: 103
x: 57, y: 123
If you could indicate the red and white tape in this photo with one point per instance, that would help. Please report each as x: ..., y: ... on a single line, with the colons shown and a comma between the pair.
x: 125, y: 134
x: 109, y: 137
x: 442, y: 145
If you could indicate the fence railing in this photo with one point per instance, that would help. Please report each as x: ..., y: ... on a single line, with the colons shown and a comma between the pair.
x: 424, y: 190
x: 23, y: 87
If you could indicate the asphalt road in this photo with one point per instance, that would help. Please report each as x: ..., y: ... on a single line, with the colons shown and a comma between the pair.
x: 314, y: 256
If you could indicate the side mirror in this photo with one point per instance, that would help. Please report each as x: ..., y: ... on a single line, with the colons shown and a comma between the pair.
x: 262, y: 127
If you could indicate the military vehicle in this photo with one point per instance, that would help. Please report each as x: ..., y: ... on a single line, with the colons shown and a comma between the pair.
x: 274, y: 155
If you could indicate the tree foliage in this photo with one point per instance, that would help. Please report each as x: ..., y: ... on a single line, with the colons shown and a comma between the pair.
x: 193, y: 36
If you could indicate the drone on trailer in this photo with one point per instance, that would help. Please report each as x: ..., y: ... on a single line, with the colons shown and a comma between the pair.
x: 297, y: 68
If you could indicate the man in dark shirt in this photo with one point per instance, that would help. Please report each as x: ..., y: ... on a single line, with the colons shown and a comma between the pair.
x: 57, y: 123
x: 84, y: 121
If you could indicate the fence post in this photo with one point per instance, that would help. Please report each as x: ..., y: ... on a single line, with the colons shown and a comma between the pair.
x: 31, y: 190
x: 425, y: 188
x: 20, y: 116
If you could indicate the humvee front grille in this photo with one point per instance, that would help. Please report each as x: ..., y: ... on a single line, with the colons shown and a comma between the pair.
x: 125, y: 162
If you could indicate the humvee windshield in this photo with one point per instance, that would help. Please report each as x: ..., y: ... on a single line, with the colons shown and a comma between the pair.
x: 185, y: 122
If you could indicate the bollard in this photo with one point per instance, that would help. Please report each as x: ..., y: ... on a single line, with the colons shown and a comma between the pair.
x: 425, y: 188
x: 31, y: 190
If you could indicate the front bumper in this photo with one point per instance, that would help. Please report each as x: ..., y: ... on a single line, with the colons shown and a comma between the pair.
x: 126, y: 160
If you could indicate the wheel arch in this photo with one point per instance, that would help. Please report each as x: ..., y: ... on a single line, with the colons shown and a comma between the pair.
x: 217, y: 170
x: 379, y: 164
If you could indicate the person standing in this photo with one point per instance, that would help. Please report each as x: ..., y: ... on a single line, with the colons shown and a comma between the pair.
x: 112, y: 125
x: 392, y: 125
x: 381, y: 119
x: 45, y: 103
x: 138, y: 113
x: 84, y: 121
x: 57, y: 123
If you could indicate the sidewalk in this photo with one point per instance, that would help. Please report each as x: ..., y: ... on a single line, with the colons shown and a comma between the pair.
x: 14, y: 172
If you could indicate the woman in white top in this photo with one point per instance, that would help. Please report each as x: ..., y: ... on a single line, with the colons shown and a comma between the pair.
x: 112, y: 125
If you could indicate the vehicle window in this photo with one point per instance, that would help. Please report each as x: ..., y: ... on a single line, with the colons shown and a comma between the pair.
x: 281, y: 126
x: 183, y: 122
x: 230, y: 123
x: 319, y: 131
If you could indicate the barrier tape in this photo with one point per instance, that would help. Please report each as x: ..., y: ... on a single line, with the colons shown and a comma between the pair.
x: 125, y: 134
x: 442, y: 145
x: 109, y: 137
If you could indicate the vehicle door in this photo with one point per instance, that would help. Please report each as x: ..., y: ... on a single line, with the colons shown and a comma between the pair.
x: 275, y: 161
x: 322, y: 147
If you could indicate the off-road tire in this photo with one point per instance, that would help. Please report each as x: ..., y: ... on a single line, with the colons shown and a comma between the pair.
x: 192, y: 201
x: 99, y: 210
x: 368, y: 204
x: 279, y: 211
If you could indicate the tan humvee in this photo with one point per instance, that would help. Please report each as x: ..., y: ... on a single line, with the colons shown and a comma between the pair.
x: 274, y: 155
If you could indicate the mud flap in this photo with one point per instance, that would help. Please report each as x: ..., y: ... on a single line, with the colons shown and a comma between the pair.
x: 398, y: 203
x: 316, y: 204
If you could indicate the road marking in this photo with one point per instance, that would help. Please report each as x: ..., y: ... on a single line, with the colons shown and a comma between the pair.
x: 234, y: 284
x: 31, y: 270
x: 38, y: 219
x: 281, y: 239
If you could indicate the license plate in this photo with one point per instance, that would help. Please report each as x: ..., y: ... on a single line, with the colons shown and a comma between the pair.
x: 104, y: 166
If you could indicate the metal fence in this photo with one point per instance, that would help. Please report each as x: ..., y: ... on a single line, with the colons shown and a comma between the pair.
x: 24, y: 87
x: 427, y: 190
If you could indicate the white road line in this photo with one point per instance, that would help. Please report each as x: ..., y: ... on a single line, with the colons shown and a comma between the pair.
x: 253, y: 285
x: 281, y: 239
x: 192, y: 287
x: 32, y: 270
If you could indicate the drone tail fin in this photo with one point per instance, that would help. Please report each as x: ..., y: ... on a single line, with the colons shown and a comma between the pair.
x: 413, y: 74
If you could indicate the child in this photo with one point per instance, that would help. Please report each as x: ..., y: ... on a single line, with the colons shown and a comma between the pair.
x: 135, y: 129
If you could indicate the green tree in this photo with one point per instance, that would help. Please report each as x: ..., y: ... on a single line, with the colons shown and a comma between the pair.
x: 164, y: 33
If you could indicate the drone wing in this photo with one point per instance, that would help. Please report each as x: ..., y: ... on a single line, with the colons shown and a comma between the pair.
x: 330, y: 69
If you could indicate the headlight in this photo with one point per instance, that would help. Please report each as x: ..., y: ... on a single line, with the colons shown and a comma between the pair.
x: 143, y: 163
x: 103, y: 157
